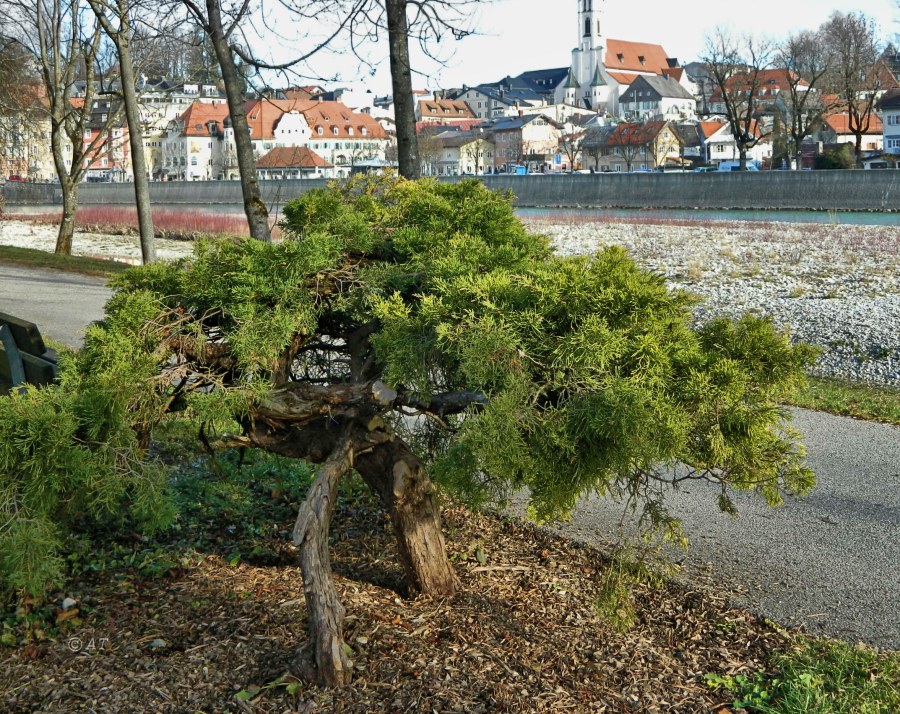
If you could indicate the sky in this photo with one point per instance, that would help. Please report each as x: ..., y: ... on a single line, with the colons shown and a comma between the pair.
x: 519, y: 35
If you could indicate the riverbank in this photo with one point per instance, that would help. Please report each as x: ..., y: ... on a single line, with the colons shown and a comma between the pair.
x: 833, y: 286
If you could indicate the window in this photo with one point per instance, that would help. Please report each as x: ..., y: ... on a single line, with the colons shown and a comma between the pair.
x: 363, y: 131
x: 320, y: 130
x: 335, y: 131
x: 350, y: 131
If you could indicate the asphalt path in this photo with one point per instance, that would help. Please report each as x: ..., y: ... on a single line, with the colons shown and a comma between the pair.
x: 62, y: 304
x: 829, y: 562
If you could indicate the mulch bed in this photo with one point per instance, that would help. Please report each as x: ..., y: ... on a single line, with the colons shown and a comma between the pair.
x: 522, y: 635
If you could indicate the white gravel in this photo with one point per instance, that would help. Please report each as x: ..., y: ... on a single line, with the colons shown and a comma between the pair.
x: 829, y: 285
x: 93, y: 245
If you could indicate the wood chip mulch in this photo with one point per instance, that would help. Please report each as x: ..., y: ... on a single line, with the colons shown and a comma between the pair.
x: 522, y: 635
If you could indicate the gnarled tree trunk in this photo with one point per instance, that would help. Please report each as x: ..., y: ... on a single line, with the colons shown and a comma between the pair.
x: 408, y: 495
x: 323, y: 660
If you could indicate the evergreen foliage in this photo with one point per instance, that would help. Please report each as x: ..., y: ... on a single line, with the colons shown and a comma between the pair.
x: 574, y: 375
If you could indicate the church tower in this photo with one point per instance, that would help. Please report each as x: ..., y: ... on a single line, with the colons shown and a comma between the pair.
x: 590, y: 50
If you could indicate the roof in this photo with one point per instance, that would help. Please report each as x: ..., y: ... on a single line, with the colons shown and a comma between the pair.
x: 708, y: 128
x: 195, y: 119
x: 460, y: 138
x: 635, y: 56
x: 284, y: 157
x: 445, y: 109
x: 516, y: 123
x: 890, y: 100
x: 663, y: 86
x: 622, y: 77
x: 263, y: 116
x: 840, y: 124
x: 675, y: 73
x: 633, y: 134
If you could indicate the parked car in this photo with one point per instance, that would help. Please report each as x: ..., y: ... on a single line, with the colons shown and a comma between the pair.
x: 17, y: 178
x: 736, y: 166
x: 704, y: 169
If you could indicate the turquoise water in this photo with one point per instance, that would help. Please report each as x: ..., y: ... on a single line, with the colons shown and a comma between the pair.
x: 850, y: 218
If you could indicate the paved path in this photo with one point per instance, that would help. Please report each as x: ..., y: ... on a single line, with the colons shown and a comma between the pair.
x: 61, y: 304
x: 830, y: 562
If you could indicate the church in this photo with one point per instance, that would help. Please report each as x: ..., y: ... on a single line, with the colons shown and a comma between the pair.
x: 602, y: 68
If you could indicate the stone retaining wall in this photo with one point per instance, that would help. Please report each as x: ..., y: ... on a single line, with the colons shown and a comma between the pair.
x: 803, y: 190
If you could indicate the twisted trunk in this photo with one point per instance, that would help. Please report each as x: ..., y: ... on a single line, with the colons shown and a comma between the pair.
x: 408, y: 495
x: 323, y: 660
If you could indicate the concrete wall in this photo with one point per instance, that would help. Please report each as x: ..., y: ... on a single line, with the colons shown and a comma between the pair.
x: 813, y: 190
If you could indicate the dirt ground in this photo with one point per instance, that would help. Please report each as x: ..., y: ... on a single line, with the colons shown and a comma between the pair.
x: 523, y: 634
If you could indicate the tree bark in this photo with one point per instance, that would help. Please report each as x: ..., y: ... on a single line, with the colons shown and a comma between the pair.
x: 135, y: 137
x: 408, y: 495
x: 401, y: 82
x: 66, y: 231
x: 120, y: 37
x: 254, y: 208
x: 323, y: 660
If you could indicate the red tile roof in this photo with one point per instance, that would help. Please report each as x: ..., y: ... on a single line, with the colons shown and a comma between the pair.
x: 840, y: 123
x: 632, y: 134
x: 635, y: 56
x: 263, y: 116
x: 622, y: 77
x: 196, y: 118
x: 675, y: 73
x: 708, y: 128
x: 284, y: 157
x: 445, y: 109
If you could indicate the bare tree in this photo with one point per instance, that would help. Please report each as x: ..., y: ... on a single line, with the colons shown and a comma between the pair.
x: 426, y: 22
x: 428, y: 150
x: 115, y: 17
x: 570, y: 144
x: 21, y: 114
x: 852, y: 39
x: 736, y: 68
x: 805, y: 61
x: 67, y: 45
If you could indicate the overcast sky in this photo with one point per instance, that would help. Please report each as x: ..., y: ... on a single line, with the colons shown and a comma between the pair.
x: 518, y: 35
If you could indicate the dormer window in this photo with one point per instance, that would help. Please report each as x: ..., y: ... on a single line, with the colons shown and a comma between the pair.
x: 335, y: 131
x: 363, y: 130
x: 621, y: 58
x: 349, y: 131
x: 642, y: 60
x: 320, y: 130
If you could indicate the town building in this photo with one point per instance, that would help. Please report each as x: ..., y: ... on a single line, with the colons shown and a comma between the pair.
x: 890, y: 120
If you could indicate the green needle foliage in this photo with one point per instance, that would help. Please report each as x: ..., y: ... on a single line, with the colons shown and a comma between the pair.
x: 582, y: 374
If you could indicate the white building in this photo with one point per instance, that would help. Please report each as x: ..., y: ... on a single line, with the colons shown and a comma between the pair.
x: 603, y: 68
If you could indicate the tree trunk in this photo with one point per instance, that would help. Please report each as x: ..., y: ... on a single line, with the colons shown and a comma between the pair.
x: 120, y: 38
x: 254, y: 208
x: 135, y: 139
x: 323, y: 660
x: 401, y: 82
x: 67, y: 223
x: 397, y: 476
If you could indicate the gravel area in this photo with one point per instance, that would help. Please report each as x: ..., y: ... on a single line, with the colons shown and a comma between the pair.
x: 125, y: 248
x: 829, y: 285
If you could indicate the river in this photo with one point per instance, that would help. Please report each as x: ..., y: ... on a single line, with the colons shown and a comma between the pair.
x: 589, y: 215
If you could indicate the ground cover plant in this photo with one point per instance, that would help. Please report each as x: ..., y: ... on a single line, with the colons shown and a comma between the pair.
x: 404, y: 331
x: 862, y: 401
